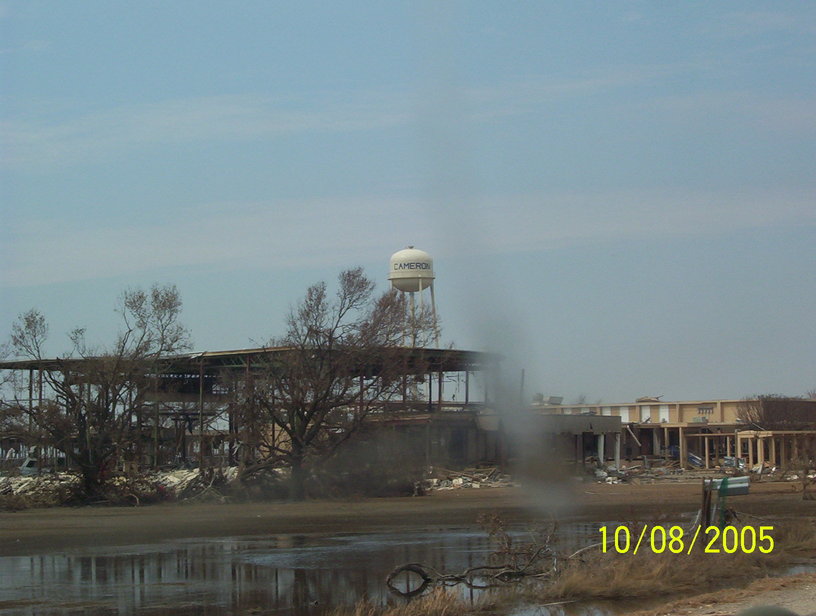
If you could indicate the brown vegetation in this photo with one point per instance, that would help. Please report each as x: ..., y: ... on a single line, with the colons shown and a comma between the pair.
x: 618, y: 576
x: 96, y: 397
x: 439, y: 602
x: 621, y: 576
x: 103, y: 408
x: 340, y: 360
x: 778, y: 412
x: 594, y: 575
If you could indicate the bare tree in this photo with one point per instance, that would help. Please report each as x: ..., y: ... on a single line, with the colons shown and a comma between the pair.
x: 339, y: 360
x: 12, y: 422
x: 778, y: 412
x: 94, y: 395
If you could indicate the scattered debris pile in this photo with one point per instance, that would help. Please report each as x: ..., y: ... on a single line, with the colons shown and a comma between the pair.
x: 767, y: 472
x: 198, y: 485
x: 51, y: 489
x: 642, y: 471
x: 38, y: 491
x: 650, y: 469
x: 653, y: 468
x: 446, y: 479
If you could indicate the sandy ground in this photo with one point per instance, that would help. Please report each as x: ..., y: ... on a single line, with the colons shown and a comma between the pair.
x: 796, y: 593
x: 57, y: 529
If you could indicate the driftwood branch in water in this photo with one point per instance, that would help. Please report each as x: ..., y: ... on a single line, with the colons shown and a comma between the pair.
x: 510, y: 562
x: 480, y: 578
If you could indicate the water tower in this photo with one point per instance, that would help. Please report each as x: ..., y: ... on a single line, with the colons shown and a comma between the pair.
x: 411, y: 271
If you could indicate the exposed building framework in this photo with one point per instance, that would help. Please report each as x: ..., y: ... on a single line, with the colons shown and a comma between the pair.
x: 189, y: 415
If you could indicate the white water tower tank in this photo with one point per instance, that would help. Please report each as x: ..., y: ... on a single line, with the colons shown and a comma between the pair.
x: 411, y: 270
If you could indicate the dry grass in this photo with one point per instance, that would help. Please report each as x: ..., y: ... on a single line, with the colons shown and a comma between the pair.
x: 614, y: 576
x: 796, y: 536
x: 620, y: 576
x: 439, y: 602
x: 604, y: 576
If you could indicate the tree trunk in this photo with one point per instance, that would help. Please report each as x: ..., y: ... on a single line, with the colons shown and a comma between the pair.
x: 297, y: 481
x: 91, y: 480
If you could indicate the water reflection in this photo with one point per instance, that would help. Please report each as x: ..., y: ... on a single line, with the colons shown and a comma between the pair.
x: 286, y: 575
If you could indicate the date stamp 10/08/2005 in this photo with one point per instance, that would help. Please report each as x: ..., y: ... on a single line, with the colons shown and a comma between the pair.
x: 678, y: 540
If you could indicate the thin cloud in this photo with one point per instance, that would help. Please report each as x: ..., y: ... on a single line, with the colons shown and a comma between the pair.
x: 791, y: 114
x: 524, y: 95
x: 179, y: 121
x: 226, y: 235
x: 744, y: 24
x: 273, y: 235
x: 542, y: 221
x: 41, y: 140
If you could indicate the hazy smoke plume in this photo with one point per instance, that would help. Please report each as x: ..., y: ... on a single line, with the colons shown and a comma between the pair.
x: 494, y: 317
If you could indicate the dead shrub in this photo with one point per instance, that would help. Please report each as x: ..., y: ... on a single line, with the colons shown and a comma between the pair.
x: 262, y: 485
x: 619, y: 576
x: 796, y: 536
x: 440, y: 602
x: 14, y: 502
x: 610, y: 576
x: 531, y: 554
x: 591, y: 574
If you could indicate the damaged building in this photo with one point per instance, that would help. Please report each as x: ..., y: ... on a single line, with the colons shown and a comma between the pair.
x: 777, y: 430
x: 444, y: 414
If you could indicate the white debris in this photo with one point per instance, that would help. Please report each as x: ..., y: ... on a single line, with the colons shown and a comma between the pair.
x: 469, y: 478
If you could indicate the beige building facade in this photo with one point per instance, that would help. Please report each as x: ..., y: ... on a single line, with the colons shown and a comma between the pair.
x: 656, y: 411
x: 703, y: 432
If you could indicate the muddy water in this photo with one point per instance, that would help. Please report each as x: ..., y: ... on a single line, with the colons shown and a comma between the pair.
x: 288, y: 575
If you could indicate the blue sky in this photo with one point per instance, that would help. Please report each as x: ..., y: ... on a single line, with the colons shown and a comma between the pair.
x: 619, y: 196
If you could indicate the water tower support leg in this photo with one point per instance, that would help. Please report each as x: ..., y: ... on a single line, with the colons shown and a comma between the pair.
x: 433, y: 313
x: 412, y: 322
